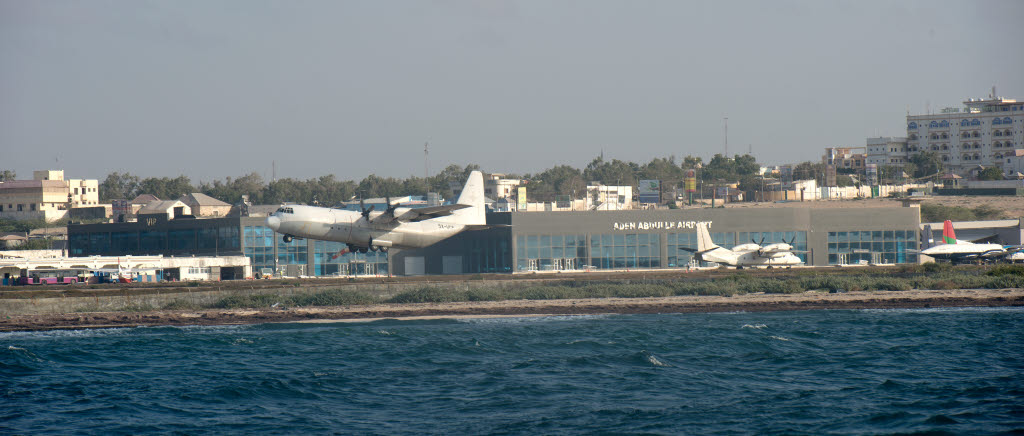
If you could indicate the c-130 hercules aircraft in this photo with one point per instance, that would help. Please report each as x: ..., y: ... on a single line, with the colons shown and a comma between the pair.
x: 399, y: 227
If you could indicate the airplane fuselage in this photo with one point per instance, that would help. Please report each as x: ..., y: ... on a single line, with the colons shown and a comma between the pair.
x: 358, y: 231
x: 963, y: 250
x: 749, y: 258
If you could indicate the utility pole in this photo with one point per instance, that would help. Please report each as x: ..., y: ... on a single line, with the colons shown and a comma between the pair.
x: 726, y: 136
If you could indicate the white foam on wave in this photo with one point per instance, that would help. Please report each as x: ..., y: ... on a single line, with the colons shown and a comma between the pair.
x: 654, y: 360
x: 780, y: 338
x: 52, y: 334
x: 754, y: 326
x: 1001, y: 309
x: 532, y: 319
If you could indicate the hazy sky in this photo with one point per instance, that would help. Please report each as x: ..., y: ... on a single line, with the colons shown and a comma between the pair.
x: 211, y: 89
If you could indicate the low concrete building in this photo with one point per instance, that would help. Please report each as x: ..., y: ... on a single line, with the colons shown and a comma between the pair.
x: 136, y: 268
x: 205, y: 206
x: 12, y: 240
x: 171, y: 209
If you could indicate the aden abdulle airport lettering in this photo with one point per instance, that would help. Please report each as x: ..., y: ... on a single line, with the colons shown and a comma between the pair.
x: 658, y: 225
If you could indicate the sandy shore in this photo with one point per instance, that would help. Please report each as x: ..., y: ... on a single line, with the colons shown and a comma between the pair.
x: 683, y: 304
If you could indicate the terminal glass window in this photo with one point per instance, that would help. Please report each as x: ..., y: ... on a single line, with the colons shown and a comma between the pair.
x: 124, y: 242
x: 546, y: 252
x: 625, y: 251
x: 490, y: 251
x: 290, y: 252
x: 333, y: 258
x: 872, y: 247
x: 259, y: 246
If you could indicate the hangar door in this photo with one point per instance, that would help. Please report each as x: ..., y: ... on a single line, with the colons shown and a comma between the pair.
x: 414, y: 266
x: 451, y: 265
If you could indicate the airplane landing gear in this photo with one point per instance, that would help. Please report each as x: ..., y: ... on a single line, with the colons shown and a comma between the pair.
x: 287, y: 238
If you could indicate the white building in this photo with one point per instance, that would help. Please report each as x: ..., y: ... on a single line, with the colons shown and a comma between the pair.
x: 496, y: 186
x: 984, y: 132
x: 603, y: 197
x: 887, y: 151
x: 47, y: 196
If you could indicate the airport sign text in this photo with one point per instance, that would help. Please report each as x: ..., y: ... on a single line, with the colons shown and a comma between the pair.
x: 658, y: 225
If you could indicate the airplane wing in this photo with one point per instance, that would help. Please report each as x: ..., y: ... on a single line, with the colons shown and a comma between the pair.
x: 418, y: 214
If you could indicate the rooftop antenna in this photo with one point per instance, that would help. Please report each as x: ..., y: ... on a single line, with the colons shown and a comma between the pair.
x: 426, y: 169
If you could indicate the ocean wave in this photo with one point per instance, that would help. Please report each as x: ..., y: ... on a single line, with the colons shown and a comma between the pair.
x: 754, y: 326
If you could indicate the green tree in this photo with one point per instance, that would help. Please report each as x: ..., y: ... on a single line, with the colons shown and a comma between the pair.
x: 452, y: 174
x: 690, y: 162
x: 166, y: 188
x: 661, y: 169
x: 8, y: 175
x: 991, y: 173
x: 726, y: 169
x: 809, y: 170
x: 926, y: 163
x: 556, y: 181
x: 616, y: 172
x: 119, y: 186
x: 232, y: 190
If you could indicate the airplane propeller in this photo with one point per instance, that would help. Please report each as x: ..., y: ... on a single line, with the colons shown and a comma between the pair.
x: 391, y: 207
x: 365, y: 211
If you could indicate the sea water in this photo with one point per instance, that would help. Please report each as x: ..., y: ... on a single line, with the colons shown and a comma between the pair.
x: 807, y: 372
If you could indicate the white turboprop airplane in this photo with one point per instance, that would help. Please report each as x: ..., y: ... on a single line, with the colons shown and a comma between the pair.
x: 399, y: 227
x: 956, y: 250
x: 743, y: 255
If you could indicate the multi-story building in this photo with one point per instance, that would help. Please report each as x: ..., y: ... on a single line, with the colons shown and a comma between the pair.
x: 887, y: 151
x: 984, y: 132
x: 845, y: 158
x: 47, y: 196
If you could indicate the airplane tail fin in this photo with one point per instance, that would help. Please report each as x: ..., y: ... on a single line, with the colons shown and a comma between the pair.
x: 948, y: 236
x: 704, y: 242
x: 472, y: 195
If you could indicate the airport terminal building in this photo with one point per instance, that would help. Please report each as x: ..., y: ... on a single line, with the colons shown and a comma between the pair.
x: 651, y: 239
x: 524, y: 242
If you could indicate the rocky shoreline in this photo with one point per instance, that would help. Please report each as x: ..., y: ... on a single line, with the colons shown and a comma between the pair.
x: 813, y: 300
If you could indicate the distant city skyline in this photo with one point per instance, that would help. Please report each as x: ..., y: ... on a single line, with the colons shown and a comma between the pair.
x: 212, y: 90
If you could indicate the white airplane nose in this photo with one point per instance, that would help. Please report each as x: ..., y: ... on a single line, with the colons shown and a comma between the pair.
x: 273, y: 222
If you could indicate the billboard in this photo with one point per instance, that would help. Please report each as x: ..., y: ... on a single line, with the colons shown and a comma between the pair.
x: 521, y: 198
x: 872, y: 174
x: 649, y: 191
x: 690, y: 181
x: 786, y: 173
x: 830, y: 175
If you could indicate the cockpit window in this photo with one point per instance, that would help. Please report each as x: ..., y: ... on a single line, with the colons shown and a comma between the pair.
x: 285, y: 210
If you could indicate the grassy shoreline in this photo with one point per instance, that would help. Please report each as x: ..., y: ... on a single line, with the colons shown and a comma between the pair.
x: 919, y: 277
